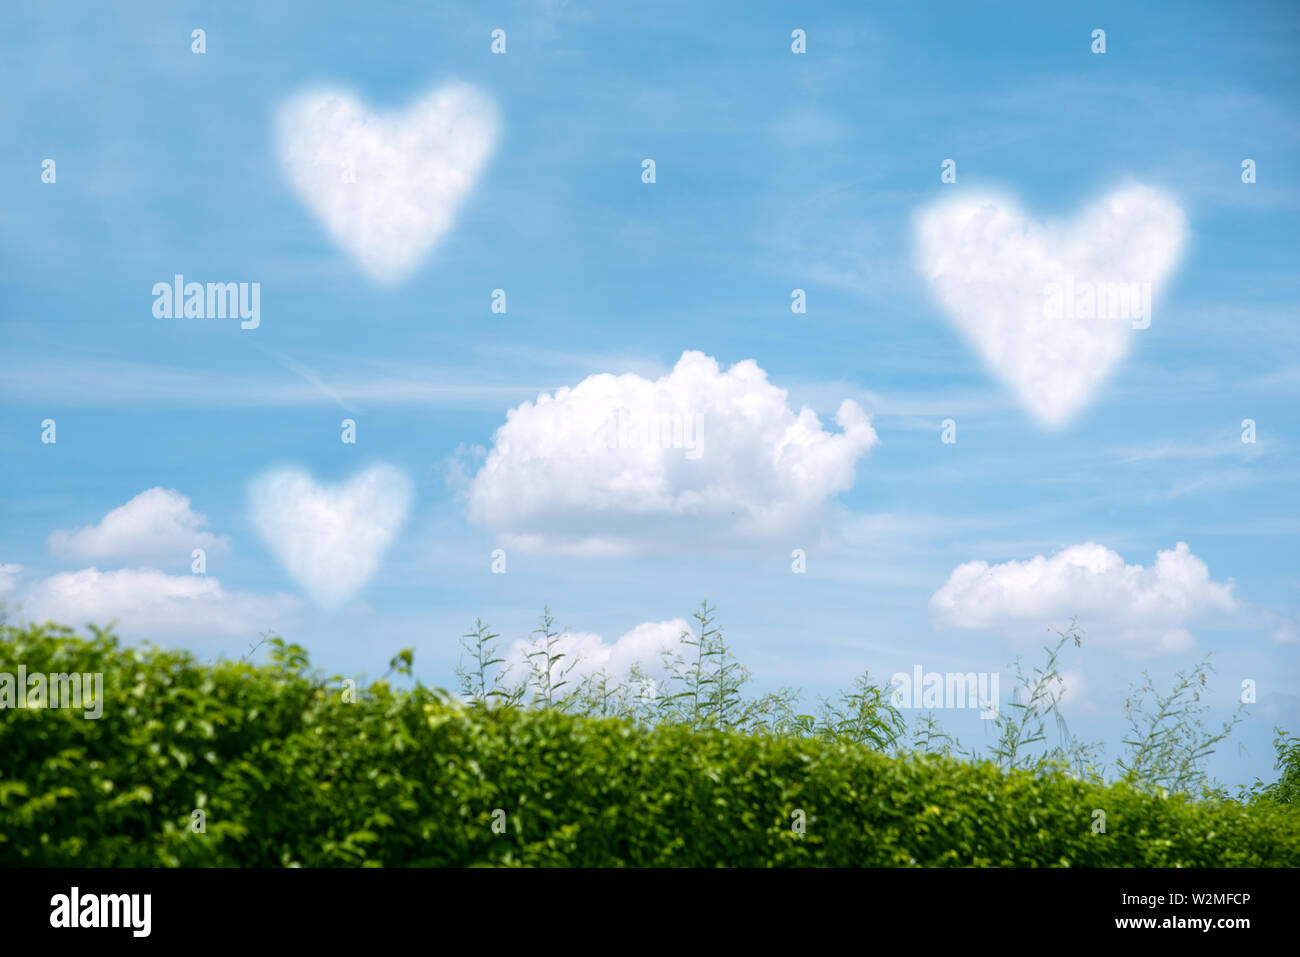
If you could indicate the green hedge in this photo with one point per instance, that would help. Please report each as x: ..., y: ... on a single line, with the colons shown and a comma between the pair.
x: 288, y: 773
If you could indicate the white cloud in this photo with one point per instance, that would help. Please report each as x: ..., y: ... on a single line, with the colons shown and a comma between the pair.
x: 1285, y: 633
x: 624, y: 463
x: 9, y: 578
x: 330, y: 539
x: 1017, y: 289
x: 156, y: 527
x: 150, y: 604
x: 1143, y: 610
x: 386, y: 187
x: 1072, y: 692
x: 588, y: 654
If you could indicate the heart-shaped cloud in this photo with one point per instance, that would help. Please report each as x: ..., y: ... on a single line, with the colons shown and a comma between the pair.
x: 386, y: 187
x: 330, y: 539
x: 1050, y: 306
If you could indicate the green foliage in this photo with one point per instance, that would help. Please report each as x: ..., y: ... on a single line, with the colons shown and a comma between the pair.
x: 1023, y: 728
x: 481, y: 682
x: 864, y: 714
x: 929, y: 737
x: 1168, y: 741
x: 550, y: 668
x: 1285, y: 791
x: 290, y: 772
x: 709, y: 679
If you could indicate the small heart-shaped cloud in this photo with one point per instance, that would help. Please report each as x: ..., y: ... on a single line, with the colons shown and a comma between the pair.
x: 1050, y: 306
x: 330, y: 539
x: 387, y: 188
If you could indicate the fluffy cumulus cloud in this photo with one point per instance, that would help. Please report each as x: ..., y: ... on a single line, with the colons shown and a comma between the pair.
x: 150, y: 604
x: 9, y: 578
x: 331, y: 539
x: 386, y: 187
x: 700, y: 456
x: 1144, y: 610
x: 157, y: 527
x: 586, y: 654
x: 1050, y: 307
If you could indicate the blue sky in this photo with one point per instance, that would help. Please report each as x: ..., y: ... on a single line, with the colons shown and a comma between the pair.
x: 774, y: 171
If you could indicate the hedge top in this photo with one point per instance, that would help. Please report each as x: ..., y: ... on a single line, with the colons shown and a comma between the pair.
x: 271, y: 765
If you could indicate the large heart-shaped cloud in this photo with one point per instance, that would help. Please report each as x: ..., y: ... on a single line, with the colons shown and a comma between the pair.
x: 387, y: 188
x: 330, y: 539
x: 1050, y: 306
